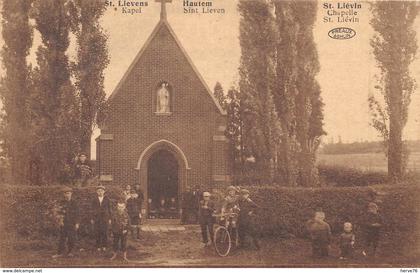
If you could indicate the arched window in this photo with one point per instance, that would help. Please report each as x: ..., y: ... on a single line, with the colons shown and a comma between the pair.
x: 163, y: 98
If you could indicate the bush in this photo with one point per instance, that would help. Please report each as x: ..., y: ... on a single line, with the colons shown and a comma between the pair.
x: 350, y: 177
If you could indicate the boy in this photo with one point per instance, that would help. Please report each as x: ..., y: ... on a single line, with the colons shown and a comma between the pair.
x: 69, y: 223
x: 230, y: 203
x: 245, y: 220
x: 205, y: 217
x: 372, y: 228
x: 320, y: 233
x: 101, y: 217
x: 134, y: 212
x: 347, y: 240
x: 120, y: 226
x: 83, y: 170
x: 140, y: 195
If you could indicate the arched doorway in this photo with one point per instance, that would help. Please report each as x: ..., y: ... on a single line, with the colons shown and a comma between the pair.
x: 156, y: 150
x: 163, y: 185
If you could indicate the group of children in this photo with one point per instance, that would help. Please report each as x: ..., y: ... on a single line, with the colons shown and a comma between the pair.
x: 320, y: 234
x: 124, y: 218
x: 127, y: 217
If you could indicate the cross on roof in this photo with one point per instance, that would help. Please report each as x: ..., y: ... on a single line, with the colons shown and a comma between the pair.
x: 163, y: 8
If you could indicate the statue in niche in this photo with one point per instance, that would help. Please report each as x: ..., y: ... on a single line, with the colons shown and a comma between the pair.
x: 163, y: 99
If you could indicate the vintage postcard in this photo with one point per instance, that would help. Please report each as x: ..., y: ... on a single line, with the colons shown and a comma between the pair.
x: 219, y: 133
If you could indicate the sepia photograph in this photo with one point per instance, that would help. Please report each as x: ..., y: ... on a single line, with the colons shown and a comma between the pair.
x: 209, y: 134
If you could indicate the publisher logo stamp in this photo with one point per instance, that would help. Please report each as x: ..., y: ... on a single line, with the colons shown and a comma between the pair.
x: 342, y: 33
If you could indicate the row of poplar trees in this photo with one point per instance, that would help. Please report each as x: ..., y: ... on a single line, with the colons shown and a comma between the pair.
x: 50, y: 107
x: 276, y: 116
x: 275, y: 119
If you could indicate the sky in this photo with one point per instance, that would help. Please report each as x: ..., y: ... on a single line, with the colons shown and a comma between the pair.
x: 347, y: 73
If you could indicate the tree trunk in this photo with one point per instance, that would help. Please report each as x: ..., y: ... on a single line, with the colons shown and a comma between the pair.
x: 307, y: 169
x: 85, y: 142
x: 395, y: 160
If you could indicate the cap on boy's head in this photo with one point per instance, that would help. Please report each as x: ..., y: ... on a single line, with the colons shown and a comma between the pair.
x: 373, y: 206
x: 244, y: 191
x: 206, y: 194
x: 83, y: 154
x: 100, y: 187
x: 66, y: 189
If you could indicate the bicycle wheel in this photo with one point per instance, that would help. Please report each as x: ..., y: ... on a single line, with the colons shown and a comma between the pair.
x: 222, y: 241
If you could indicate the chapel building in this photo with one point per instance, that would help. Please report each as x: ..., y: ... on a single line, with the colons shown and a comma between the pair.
x: 165, y: 129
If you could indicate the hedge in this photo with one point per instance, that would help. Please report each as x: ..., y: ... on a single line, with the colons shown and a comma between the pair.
x: 286, y: 210
x: 28, y: 210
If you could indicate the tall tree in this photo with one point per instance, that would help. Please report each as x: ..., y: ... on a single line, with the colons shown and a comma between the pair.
x: 92, y: 59
x: 394, y: 47
x: 308, y: 102
x: 220, y: 95
x: 234, y: 110
x: 15, y: 85
x: 257, y: 74
x: 297, y: 94
x: 56, y: 113
x: 286, y: 87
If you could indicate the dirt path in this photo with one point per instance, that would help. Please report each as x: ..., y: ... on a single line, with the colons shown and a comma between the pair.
x: 183, y: 248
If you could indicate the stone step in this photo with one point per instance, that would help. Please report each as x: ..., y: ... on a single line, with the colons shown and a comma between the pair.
x: 161, y: 222
x: 161, y: 228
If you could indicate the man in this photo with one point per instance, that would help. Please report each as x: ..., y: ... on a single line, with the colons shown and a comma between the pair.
x: 83, y: 170
x: 187, y: 205
x: 140, y: 198
x: 245, y: 221
x: 69, y: 223
x: 206, y: 219
x: 101, y: 217
x: 134, y: 212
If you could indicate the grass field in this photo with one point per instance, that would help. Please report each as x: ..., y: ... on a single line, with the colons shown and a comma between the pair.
x: 367, y: 162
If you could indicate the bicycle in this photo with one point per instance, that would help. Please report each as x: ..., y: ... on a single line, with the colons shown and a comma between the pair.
x: 226, y: 233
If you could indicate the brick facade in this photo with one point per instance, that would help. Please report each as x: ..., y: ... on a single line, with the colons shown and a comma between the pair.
x: 192, y: 131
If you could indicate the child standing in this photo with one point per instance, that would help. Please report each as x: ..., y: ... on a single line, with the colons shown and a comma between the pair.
x: 120, y: 226
x: 372, y: 229
x: 205, y: 217
x: 320, y: 233
x: 101, y: 217
x: 347, y: 240
x: 134, y: 211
